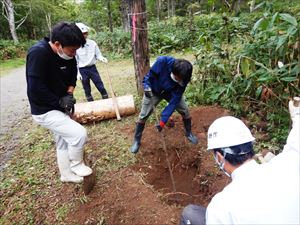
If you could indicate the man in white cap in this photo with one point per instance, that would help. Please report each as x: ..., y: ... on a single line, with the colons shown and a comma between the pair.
x: 87, y: 57
x: 259, y: 193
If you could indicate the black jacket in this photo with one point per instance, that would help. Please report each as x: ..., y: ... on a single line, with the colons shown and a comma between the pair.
x: 48, y: 77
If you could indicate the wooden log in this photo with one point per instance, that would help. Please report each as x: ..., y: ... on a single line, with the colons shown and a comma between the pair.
x: 103, y: 109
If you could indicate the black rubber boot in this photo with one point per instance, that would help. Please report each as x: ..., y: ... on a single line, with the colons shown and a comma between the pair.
x: 89, y: 98
x: 137, y: 137
x: 105, y: 96
x: 188, y: 131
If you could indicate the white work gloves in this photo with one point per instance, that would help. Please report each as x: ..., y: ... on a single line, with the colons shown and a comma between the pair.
x: 79, y: 77
x: 103, y: 59
x: 294, y: 108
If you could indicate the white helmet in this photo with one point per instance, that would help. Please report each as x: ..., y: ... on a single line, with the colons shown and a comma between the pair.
x: 227, y: 131
x: 84, y: 28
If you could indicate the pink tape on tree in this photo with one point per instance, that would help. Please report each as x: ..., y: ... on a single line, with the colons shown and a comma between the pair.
x: 134, y: 28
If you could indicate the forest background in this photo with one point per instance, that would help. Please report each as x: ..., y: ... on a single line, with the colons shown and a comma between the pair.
x: 247, y: 53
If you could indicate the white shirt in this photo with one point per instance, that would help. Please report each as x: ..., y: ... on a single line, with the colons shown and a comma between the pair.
x: 89, y: 54
x: 262, y: 193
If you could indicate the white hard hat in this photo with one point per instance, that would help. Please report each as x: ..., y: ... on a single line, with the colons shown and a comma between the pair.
x: 84, y: 28
x: 227, y: 131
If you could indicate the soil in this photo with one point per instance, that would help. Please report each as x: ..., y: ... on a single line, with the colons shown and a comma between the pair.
x: 140, y: 194
x: 143, y: 193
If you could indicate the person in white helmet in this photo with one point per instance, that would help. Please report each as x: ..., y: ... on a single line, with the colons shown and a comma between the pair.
x: 87, y: 57
x: 259, y: 193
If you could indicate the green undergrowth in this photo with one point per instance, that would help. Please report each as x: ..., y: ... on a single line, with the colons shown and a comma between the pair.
x: 7, y: 65
x: 26, y: 177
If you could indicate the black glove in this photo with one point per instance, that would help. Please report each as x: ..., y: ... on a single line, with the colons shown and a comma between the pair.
x: 67, y: 102
x: 148, y: 93
x: 160, y: 126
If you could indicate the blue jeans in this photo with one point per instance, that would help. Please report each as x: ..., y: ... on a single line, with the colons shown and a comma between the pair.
x: 91, y: 73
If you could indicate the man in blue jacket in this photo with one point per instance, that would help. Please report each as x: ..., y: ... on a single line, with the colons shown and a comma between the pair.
x: 51, y: 71
x: 167, y: 79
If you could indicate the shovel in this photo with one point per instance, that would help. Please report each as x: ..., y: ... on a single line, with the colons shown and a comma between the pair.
x: 113, y: 96
x: 163, y: 141
x: 89, y: 181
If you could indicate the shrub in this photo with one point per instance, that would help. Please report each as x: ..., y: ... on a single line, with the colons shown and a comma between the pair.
x: 247, y: 78
x: 9, y: 50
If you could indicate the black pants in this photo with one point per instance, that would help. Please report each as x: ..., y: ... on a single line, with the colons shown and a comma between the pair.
x: 91, y: 73
x: 193, y: 215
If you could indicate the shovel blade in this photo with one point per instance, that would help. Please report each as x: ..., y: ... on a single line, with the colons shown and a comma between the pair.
x: 89, y: 183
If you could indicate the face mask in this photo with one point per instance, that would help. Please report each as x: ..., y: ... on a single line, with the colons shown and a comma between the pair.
x: 174, y: 79
x: 221, y: 164
x: 63, y: 55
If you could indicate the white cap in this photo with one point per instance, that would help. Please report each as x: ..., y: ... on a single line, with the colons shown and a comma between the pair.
x: 227, y: 131
x: 84, y: 28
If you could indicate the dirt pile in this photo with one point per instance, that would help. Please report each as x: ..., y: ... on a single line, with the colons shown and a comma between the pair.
x: 143, y: 193
x: 196, y: 177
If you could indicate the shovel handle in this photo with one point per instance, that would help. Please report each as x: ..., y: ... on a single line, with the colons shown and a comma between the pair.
x: 115, y: 103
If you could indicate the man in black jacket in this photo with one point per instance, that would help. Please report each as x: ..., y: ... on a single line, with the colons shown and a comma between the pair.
x: 51, y: 71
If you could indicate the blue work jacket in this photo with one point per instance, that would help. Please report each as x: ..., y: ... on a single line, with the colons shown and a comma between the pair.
x: 159, y: 80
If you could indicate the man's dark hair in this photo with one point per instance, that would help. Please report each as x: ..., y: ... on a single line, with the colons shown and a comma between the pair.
x: 239, y: 157
x: 183, y: 69
x: 67, y: 34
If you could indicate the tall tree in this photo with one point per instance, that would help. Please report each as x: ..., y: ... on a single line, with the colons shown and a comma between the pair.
x: 124, y: 9
x: 173, y: 7
x: 139, y: 37
x: 158, y: 8
x: 109, y: 16
x: 252, y: 5
x: 9, y: 14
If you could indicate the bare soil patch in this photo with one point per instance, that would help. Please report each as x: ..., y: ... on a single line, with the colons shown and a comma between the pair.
x: 143, y: 193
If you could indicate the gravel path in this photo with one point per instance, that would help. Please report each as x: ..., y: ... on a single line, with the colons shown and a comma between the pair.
x: 14, y: 112
x: 14, y: 101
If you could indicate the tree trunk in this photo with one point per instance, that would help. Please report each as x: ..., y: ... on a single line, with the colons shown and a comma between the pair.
x: 139, y: 40
x: 172, y: 7
x: 48, y: 21
x: 124, y: 9
x: 109, y: 16
x: 9, y: 8
x: 233, y: 6
x: 32, y: 31
x: 169, y: 8
x: 252, y: 5
x: 158, y: 5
